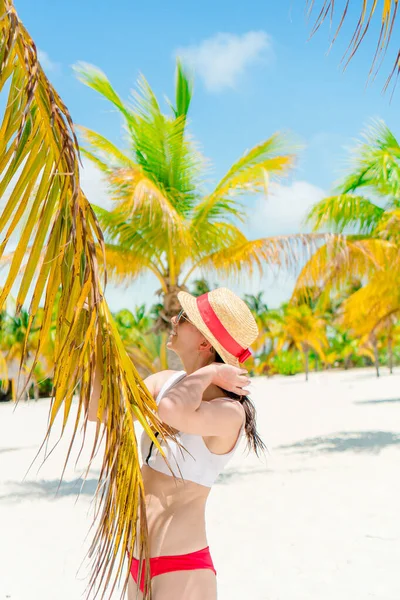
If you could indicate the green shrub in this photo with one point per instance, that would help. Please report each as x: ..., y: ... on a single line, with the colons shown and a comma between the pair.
x: 287, y: 362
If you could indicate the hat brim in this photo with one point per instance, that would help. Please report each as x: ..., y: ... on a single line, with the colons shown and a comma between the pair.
x: 189, y: 305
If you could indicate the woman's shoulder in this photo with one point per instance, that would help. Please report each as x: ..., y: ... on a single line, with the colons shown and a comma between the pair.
x: 155, y: 381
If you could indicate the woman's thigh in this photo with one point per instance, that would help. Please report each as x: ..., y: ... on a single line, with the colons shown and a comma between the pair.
x: 133, y: 593
x: 200, y: 584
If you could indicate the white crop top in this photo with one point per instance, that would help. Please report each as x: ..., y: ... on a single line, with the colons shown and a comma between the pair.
x: 196, y: 463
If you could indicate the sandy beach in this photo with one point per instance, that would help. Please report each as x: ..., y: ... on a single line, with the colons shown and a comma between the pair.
x: 317, y: 518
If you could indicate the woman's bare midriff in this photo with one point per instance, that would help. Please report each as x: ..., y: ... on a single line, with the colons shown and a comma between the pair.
x: 175, y: 512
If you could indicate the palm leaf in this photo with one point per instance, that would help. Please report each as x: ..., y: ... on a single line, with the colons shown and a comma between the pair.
x: 346, y: 211
x: 105, y: 148
x: 365, y: 310
x: 367, y: 12
x: 39, y: 148
x: 251, y: 173
x: 375, y: 163
x: 264, y: 253
x: 332, y: 264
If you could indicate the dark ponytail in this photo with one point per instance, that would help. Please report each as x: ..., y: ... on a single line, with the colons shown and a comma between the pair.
x: 254, y: 442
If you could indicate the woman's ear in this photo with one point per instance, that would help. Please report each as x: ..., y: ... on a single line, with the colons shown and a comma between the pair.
x: 205, y: 345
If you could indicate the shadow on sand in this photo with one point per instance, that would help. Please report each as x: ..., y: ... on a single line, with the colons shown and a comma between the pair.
x: 387, y: 401
x: 34, y: 490
x: 229, y: 475
x: 343, y: 441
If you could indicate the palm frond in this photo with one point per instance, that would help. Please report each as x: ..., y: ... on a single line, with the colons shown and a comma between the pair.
x: 251, y: 173
x: 38, y: 154
x: 108, y: 151
x: 94, y: 77
x: 332, y: 264
x: 345, y: 211
x: 367, y: 12
x: 264, y: 253
x: 364, y: 311
x: 123, y: 266
x: 183, y: 91
x: 138, y: 196
x: 375, y: 163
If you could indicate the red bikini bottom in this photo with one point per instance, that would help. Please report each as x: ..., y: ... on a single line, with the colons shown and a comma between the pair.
x: 201, y: 559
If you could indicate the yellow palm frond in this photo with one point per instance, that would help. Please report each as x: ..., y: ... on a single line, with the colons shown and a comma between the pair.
x: 39, y: 157
x: 330, y: 267
x: 365, y: 310
x: 138, y: 195
x: 288, y: 251
x: 124, y: 265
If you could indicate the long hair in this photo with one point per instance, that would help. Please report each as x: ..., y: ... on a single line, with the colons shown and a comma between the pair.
x: 254, y: 441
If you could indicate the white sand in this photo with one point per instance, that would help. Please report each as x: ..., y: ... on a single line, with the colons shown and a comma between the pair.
x: 317, y: 519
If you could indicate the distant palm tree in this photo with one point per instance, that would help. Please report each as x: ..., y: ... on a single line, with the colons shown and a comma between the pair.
x: 142, y: 344
x: 201, y: 286
x: 300, y: 328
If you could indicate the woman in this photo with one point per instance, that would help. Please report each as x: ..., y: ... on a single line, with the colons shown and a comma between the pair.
x: 206, y: 404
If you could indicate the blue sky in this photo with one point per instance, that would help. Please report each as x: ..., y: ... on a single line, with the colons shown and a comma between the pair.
x: 256, y: 73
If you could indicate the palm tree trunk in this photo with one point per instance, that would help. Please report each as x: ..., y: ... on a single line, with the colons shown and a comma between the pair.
x: 306, y: 351
x: 163, y: 350
x: 390, y: 353
x: 376, y: 356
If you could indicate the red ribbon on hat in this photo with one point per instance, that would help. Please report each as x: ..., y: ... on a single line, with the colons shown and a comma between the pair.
x: 223, y: 336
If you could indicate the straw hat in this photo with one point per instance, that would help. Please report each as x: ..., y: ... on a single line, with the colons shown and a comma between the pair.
x: 224, y: 320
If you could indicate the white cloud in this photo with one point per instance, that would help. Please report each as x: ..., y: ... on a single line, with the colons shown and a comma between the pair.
x: 222, y: 59
x: 46, y: 62
x: 94, y: 185
x: 284, y: 209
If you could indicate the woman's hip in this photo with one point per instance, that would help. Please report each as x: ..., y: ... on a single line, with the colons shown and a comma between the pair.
x: 184, y: 572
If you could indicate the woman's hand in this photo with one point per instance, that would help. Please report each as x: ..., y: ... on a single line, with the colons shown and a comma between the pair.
x: 231, y: 379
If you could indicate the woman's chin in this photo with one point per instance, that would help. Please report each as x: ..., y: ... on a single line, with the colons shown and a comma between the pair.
x: 170, y: 342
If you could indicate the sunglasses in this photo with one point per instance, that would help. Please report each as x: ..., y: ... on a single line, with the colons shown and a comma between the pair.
x: 181, y: 315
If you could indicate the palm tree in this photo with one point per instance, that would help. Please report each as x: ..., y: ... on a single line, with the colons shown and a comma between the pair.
x: 300, y: 328
x: 164, y: 221
x: 367, y: 205
x: 201, y: 286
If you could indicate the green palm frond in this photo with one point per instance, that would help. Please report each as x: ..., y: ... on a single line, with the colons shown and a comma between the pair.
x: 375, y: 163
x: 58, y: 246
x: 183, y: 92
x: 93, y: 77
x: 368, y: 14
x: 106, y: 149
x: 346, y: 211
x: 251, y: 173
